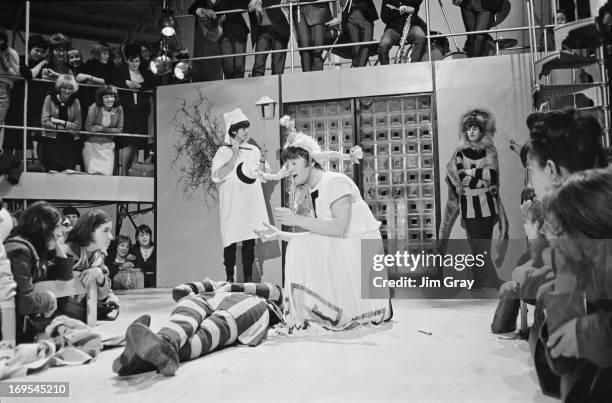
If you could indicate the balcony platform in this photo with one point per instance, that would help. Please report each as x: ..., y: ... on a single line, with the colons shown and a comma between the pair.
x: 82, y: 187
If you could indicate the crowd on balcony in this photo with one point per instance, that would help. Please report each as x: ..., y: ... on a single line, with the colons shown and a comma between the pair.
x: 81, y: 114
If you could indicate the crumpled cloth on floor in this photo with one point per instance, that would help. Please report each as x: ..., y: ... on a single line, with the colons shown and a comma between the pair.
x: 68, y: 332
x: 69, y: 342
x: 298, y: 330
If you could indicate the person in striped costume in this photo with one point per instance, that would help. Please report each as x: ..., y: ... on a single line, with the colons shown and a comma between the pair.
x: 473, y: 171
x: 208, y: 316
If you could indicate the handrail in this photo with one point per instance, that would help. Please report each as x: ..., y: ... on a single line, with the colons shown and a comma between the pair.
x: 42, y: 129
x: 364, y: 43
x: 287, y: 4
x: 44, y: 80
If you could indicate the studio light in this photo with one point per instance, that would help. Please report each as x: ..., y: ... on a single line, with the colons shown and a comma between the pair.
x: 182, y: 70
x: 167, y: 23
x: 161, y: 65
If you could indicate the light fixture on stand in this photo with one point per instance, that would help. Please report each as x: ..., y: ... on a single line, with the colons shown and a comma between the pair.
x: 161, y: 65
x: 167, y: 22
x: 182, y: 70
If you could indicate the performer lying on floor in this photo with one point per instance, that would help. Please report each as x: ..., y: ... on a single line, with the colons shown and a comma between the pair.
x: 206, y: 317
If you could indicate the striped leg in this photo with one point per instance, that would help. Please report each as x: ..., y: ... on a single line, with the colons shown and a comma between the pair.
x: 196, y: 287
x: 185, y: 319
x: 268, y: 291
x: 238, y: 317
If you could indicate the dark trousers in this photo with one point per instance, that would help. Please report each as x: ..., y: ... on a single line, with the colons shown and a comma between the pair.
x: 479, y: 233
x: 391, y: 37
x: 359, y: 30
x: 476, y: 18
x: 233, y: 67
x: 265, y: 42
x: 310, y: 35
x: 248, y: 257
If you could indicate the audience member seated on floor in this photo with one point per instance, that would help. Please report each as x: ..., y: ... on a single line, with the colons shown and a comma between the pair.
x: 539, y: 251
x: 200, y: 323
x: 560, y: 143
x: 58, y: 63
x: 535, y: 262
x: 144, y: 251
x: 37, y: 253
x: 87, y: 244
x: 538, y: 254
x: 120, y: 258
x: 579, y: 310
x: 104, y: 116
x: 61, y: 110
x: 8, y: 287
x: 72, y: 214
x: 66, y: 227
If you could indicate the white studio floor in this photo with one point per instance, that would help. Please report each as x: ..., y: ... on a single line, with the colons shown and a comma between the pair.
x: 461, y: 361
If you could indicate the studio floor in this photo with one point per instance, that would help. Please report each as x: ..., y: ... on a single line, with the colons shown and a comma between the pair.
x: 461, y: 361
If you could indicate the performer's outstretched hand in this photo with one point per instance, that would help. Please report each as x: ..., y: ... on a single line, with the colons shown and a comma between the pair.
x: 269, y: 234
x: 284, y: 216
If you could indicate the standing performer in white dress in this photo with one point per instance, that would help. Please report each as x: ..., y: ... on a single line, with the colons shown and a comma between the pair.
x: 324, y: 266
x: 236, y: 167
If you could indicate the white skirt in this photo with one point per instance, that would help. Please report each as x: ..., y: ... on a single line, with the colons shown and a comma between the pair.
x: 99, y: 158
x: 323, y: 281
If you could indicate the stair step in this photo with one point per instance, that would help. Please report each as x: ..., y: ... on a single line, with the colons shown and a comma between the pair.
x: 561, y: 59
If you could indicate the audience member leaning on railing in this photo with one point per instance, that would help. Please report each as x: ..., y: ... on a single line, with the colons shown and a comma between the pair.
x: 61, y: 110
x: 9, y: 66
x: 136, y: 105
x: 105, y: 115
x: 37, y: 60
x: 58, y: 63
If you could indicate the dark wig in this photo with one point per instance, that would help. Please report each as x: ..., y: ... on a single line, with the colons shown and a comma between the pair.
x: 237, y: 126
x: 293, y: 153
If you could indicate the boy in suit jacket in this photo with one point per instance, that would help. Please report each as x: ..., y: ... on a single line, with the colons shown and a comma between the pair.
x: 310, y: 26
x: 269, y: 31
x: 394, y: 13
x: 360, y: 16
